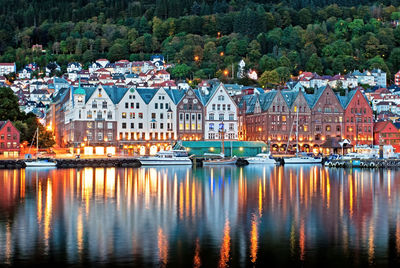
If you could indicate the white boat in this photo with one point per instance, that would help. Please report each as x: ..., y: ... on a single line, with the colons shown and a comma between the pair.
x: 40, y: 163
x: 262, y: 159
x: 219, y: 162
x: 351, y: 156
x: 303, y: 159
x: 162, y: 158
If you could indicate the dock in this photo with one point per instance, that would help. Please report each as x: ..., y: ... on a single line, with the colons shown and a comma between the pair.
x: 364, y: 163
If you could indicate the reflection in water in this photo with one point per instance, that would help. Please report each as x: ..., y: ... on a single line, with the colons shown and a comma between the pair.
x: 201, y: 217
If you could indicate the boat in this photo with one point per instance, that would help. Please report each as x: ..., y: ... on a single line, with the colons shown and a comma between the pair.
x: 170, y: 158
x: 220, y: 161
x: 38, y: 162
x: 262, y: 159
x: 41, y: 162
x: 300, y: 158
x: 351, y: 156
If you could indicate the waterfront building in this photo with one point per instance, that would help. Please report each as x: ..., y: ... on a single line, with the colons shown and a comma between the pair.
x: 190, y: 112
x: 9, y: 139
x: 220, y: 115
x: 358, y: 118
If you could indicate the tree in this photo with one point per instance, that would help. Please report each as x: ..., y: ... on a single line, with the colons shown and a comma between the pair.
x: 181, y: 71
x: 9, y: 107
x: 46, y: 138
x: 269, y: 77
x: 117, y: 52
x: 314, y: 64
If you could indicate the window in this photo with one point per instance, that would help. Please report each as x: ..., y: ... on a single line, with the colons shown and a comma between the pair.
x: 2, y: 136
x: 153, y: 115
x: 94, y: 104
x: 99, y: 125
x: 109, y: 125
x: 231, y: 117
x: 99, y: 115
x: 181, y: 116
x: 231, y: 126
x: 123, y: 115
x: 228, y: 107
x: 187, y: 126
x: 161, y: 105
x: 109, y: 136
x: 100, y: 136
x: 223, y: 107
x: 166, y: 106
x: 180, y: 126
x: 211, y: 126
x: 161, y: 116
x: 132, y: 115
x: 132, y: 105
x: 211, y: 117
x: 137, y: 105
x: 221, y: 98
x: 89, y: 125
x: 124, y: 125
x: 104, y: 105
x: 109, y: 115
x: 328, y: 128
x: 218, y: 107
x: 213, y: 107
x: 141, y: 115
x: 132, y: 125
x: 187, y: 116
x: 89, y: 114
x: 198, y: 116
x: 156, y: 105
x: 283, y: 118
x: 221, y: 117
x: 161, y: 125
x: 140, y: 125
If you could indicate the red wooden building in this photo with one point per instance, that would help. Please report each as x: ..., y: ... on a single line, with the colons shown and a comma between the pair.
x: 358, y: 118
x: 9, y: 140
x: 386, y: 133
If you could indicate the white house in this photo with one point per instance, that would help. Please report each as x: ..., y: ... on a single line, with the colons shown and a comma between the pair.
x: 6, y: 68
x: 26, y: 73
x: 379, y: 77
x: 221, y: 115
x: 74, y: 67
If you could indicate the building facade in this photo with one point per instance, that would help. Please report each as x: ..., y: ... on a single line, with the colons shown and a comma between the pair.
x: 221, y: 115
x: 9, y: 139
x: 190, y: 121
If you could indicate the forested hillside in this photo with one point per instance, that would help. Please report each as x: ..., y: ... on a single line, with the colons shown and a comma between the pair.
x: 206, y: 37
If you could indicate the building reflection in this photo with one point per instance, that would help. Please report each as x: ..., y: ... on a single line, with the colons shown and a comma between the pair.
x: 155, y: 215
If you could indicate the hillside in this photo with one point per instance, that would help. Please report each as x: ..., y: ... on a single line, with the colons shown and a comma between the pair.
x: 207, y: 37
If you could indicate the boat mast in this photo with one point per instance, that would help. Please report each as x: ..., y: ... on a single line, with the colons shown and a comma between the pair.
x: 37, y: 142
x: 297, y: 132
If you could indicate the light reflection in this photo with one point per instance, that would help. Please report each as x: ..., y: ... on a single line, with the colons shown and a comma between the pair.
x: 153, y: 212
x: 225, y: 247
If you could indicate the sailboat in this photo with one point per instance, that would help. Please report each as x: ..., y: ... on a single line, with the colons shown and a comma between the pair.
x: 301, y: 158
x: 39, y: 162
x: 221, y: 160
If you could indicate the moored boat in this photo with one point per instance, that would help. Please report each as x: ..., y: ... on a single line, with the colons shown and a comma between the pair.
x: 262, y: 159
x: 173, y: 157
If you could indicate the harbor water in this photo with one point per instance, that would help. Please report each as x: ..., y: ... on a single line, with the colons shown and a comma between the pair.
x: 265, y: 216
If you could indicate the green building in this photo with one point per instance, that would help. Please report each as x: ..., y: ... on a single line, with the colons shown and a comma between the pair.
x: 239, y: 148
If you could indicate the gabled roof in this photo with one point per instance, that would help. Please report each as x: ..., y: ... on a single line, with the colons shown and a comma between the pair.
x: 266, y: 99
x: 345, y: 100
x: 380, y: 126
x: 146, y: 94
x: 115, y: 93
x: 175, y: 94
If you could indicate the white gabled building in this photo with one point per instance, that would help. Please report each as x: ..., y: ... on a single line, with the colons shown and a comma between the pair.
x: 146, y: 114
x: 221, y: 114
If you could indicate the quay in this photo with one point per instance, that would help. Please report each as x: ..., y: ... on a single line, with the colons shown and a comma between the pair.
x: 77, y: 163
x: 364, y: 163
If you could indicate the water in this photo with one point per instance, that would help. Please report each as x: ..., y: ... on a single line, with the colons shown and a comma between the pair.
x: 251, y: 216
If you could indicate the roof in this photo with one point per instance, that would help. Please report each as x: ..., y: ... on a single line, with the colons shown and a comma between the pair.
x: 208, y: 144
x: 380, y: 126
x: 115, y: 93
x: 147, y: 94
x: 175, y: 94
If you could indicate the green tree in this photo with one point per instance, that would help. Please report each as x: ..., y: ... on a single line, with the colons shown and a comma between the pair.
x: 9, y: 107
x: 314, y: 64
x: 181, y: 71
